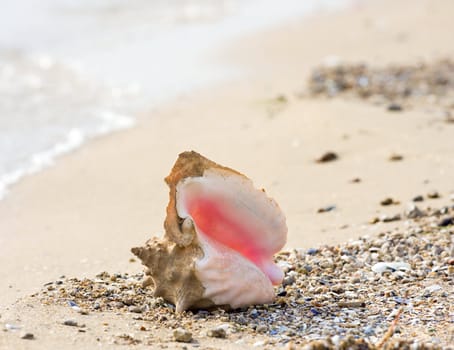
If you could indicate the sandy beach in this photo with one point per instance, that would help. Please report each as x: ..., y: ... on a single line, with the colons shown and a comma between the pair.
x: 82, y: 216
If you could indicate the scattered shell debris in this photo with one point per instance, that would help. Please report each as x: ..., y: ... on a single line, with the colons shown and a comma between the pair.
x: 392, y: 291
x: 395, y: 86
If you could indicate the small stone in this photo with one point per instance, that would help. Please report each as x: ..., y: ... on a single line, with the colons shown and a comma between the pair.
x: 327, y: 157
x: 447, y: 221
x: 312, y: 251
x: 326, y: 209
x: 135, y: 309
x: 281, y: 99
x: 414, y: 212
x: 355, y: 180
x: 352, y: 304
x: 28, y: 336
x: 396, y: 158
x: 418, y: 198
x: 433, y: 195
x: 388, y: 201
x: 394, y: 107
x: 182, y: 335
x: 71, y: 323
x: 369, y: 330
x: 218, y: 332
x: 390, y: 266
x: 374, y: 220
x: 241, y: 320
x: 288, y: 281
x: 261, y: 328
x: 388, y: 218
x: 431, y: 289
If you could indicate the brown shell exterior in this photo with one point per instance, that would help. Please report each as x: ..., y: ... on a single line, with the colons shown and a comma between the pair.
x: 170, y: 261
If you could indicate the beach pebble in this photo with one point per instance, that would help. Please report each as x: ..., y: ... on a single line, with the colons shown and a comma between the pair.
x: 388, y: 201
x: 390, y: 218
x: 414, y: 212
x: 327, y: 157
x: 395, y: 157
x: 218, y: 332
x: 28, y: 336
x: 447, y: 221
x: 261, y: 328
x: 135, y: 309
x: 71, y: 323
x: 312, y: 251
x: 326, y: 209
x: 394, y: 107
x: 418, y: 198
x: 374, y: 220
x: 288, y: 280
x: 433, y: 195
x: 390, y: 266
x: 182, y: 335
x: 431, y: 289
x: 369, y: 330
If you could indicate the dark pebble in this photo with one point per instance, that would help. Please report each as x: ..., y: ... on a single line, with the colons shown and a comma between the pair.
x: 418, y: 198
x: 282, y: 293
x: 327, y: 157
x: 254, y: 313
x: 28, y: 336
x: 315, y: 311
x: 448, y: 221
x: 273, y: 332
x: 387, y: 201
x: 396, y: 158
x: 394, y: 107
x: 312, y: 251
x: 326, y: 209
x: 433, y: 195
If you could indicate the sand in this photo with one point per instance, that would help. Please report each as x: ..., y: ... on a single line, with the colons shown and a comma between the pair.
x: 82, y: 216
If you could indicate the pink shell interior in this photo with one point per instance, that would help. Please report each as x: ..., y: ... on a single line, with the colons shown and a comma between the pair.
x: 229, y: 210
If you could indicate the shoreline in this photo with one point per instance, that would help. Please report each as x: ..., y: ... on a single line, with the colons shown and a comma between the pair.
x: 82, y: 216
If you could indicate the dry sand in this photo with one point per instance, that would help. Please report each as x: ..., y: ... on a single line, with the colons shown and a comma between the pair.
x: 82, y: 216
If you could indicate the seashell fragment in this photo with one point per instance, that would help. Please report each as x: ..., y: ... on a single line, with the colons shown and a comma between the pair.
x: 220, y: 237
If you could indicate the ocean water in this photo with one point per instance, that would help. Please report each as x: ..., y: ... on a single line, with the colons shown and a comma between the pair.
x: 73, y: 70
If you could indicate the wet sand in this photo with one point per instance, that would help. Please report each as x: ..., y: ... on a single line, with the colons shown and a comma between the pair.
x: 82, y: 216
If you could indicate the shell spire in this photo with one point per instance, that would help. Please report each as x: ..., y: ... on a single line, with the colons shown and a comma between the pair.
x: 220, y: 237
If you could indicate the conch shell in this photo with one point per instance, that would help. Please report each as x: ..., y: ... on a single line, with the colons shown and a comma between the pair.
x: 220, y: 237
